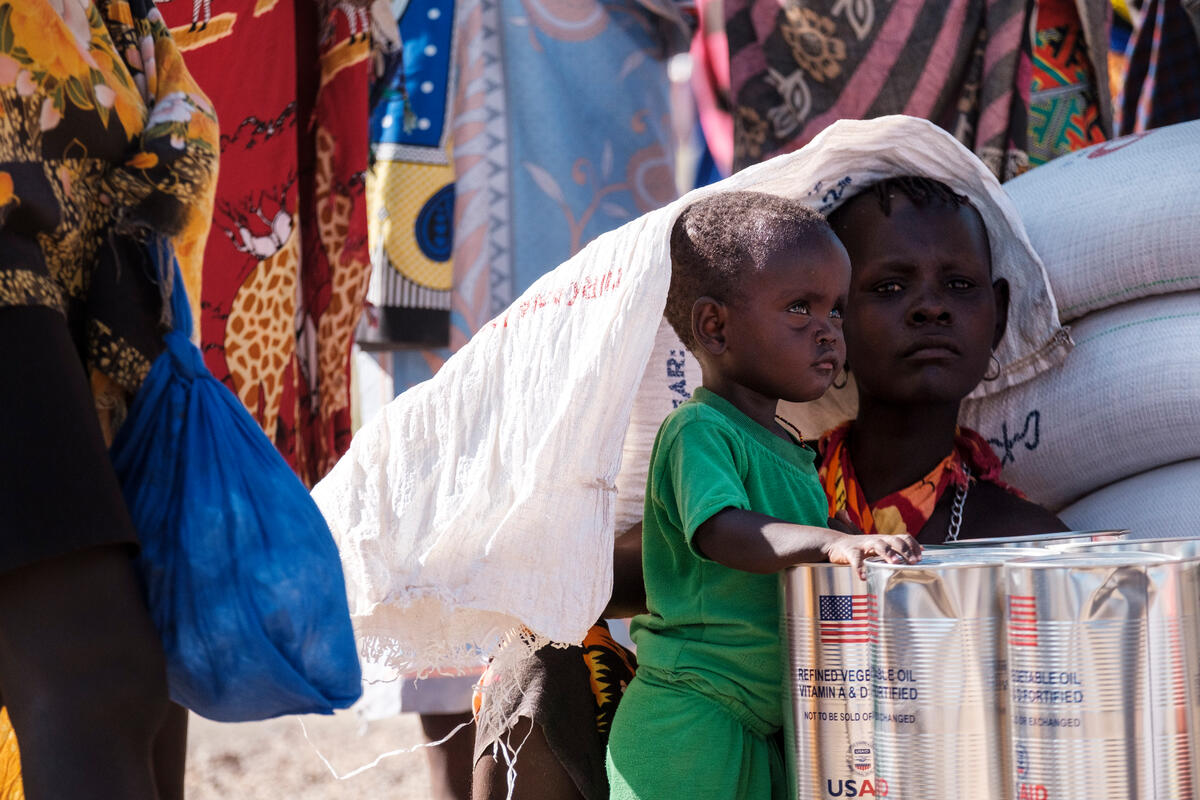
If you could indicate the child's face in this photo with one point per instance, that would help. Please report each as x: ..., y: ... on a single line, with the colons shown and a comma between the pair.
x: 785, y: 328
x: 922, y: 313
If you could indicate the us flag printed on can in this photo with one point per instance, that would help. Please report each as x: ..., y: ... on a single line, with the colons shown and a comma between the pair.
x: 939, y: 674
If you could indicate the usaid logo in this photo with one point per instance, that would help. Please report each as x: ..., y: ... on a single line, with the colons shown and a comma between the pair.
x: 856, y: 788
x: 859, y: 758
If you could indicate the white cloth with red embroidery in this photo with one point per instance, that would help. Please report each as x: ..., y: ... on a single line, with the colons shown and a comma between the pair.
x: 480, y: 506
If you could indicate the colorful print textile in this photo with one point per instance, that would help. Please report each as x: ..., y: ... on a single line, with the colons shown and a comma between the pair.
x: 907, y: 510
x: 798, y: 66
x: 1161, y: 84
x: 103, y: 135
x: 1064, y: 111
x: 286, y: 265
x: 410, y: 188
x: 561, y: 111
x: 11, y: 787
x: 610, y: 669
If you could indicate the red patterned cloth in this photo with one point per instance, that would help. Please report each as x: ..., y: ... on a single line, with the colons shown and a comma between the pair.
x: 906, y: 510
x: 286, y: 264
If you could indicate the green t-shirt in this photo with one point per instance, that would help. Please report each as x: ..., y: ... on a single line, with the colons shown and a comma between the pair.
x: 710, y: 624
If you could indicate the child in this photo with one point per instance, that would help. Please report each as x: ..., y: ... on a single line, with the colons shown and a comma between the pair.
x: 758, y: 284
x: 923, y: 317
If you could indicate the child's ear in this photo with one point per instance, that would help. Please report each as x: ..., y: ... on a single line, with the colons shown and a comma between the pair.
x: 708, y: 324
x: 1000, y: 291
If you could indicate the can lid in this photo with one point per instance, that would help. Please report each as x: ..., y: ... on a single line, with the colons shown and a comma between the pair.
x: 961, y: 557
x: 1092, y: 559
x: 1173, y: 546
x: 1040, y: 539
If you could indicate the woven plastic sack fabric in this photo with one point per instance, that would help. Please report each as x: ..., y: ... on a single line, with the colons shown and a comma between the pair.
x: 672, y: 374
x: 1126, y: 401
x: 1163, y: 502
x: 480, y: 505
x: 243, y: 580
x: 1116, y: 221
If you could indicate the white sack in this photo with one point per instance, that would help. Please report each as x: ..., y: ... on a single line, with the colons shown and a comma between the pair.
x: 1117, y: 221
x: 483, y: 500
x: 672, y: 374
x: 1127, y: 400
x: 1160, y: 503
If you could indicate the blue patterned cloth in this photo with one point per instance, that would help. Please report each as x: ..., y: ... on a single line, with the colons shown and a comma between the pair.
x: 561, y: 133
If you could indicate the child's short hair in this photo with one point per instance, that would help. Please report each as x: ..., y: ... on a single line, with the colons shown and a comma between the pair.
x: 715, y: 240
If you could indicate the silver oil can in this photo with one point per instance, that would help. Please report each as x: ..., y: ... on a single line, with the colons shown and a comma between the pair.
x: 1084, y: 645
x: 828, y: 712
x: 940, y: 674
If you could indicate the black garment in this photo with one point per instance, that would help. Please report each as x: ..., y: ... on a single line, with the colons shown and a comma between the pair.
x: 58, y: 490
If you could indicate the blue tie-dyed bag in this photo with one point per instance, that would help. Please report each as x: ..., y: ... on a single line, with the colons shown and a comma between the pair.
x: 242, y: 576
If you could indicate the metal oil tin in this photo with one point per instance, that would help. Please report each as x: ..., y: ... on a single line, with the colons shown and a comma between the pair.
x: 827, y: 720
x: 1087, y: 633
x: 940, y: 677
x: 1173, y: 636
x: 1049, y: 541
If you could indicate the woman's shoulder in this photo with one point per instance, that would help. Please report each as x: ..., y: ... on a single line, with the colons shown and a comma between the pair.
x: 992, y: 511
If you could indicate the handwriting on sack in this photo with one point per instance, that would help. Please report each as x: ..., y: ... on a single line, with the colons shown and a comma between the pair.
x: 829, y: 193
x: 589, y: 287
x: 1030, y: 436
x: 1108, y: 148
x: 676, y: 362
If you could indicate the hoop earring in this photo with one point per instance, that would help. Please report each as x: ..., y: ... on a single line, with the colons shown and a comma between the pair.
x: 993, y: 370
x: 845, y: 376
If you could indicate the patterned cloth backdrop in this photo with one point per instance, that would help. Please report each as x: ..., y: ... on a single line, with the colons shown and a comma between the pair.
x: 965, y: 65
x: 1065, y: 111
x: 410, y: 187
x: 561, y: 132
x: 1161, y: 82
x: 286, y: 264
x: 796, y: 67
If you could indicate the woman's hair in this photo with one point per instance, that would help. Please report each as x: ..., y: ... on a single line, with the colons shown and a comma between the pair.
x: 919, y: 190
x: 922, y: 192
x: 716, y: 240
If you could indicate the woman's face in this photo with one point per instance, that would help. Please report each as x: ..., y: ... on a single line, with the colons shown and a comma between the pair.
x: 923, y: 313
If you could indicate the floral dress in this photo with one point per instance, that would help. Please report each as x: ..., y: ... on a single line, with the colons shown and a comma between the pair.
x: 104, y: 138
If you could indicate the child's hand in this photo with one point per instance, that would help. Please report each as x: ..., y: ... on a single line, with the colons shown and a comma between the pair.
x: 853, y: 550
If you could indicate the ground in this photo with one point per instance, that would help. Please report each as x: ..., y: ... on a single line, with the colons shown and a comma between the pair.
x: 272, y: 760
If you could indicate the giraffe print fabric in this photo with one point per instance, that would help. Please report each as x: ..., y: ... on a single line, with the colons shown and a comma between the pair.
x: 286, y: 266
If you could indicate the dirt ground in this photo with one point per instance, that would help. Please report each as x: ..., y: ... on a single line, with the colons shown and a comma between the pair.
x: 272, y: 760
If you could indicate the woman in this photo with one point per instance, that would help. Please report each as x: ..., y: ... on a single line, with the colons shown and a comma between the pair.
x: 923, y: 318
x: 104, y: 141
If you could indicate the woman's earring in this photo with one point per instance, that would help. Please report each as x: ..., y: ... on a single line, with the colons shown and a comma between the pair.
x: 993, y: 369
x: 845, y: 378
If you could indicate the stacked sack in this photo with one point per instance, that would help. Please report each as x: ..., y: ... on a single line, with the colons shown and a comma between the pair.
x: 1112, y: 437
